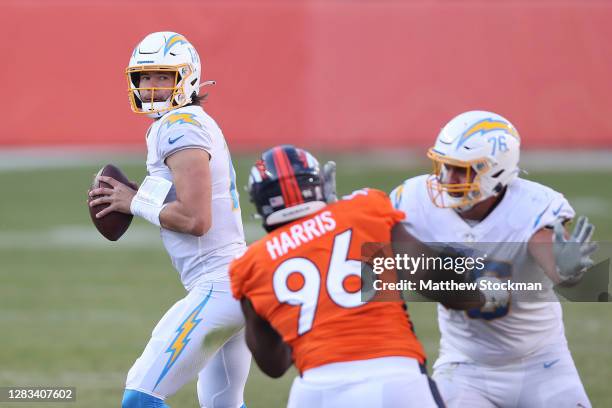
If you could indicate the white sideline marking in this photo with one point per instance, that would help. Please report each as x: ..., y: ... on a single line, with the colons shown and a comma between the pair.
x: 94, y: 380
x: 78, y: 236
x: 589, y: 205
x: 147, y: 237
x: 87, y: 237
x: 54, y: 158
x: 67, y: 157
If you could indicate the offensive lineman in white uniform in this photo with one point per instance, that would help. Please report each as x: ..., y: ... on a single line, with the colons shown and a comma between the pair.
x: 190, y: 192
x: 509, y: 353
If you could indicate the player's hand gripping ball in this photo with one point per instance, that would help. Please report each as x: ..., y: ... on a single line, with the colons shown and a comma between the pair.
x: 114, y: 224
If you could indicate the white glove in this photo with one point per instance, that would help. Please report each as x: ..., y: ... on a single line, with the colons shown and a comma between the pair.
x: 572, y: 256
x: 329, y: 182
x: 493, y: 298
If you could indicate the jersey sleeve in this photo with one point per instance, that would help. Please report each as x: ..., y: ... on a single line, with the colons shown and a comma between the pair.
x: 184, y: 136
x: 396, y: 196
x: 378, y: 202
x: 556, y: 208
x: 239, y: 271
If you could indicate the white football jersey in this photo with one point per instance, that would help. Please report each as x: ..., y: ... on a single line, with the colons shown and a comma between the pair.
x: 191, y: 128
x: 524, y: 326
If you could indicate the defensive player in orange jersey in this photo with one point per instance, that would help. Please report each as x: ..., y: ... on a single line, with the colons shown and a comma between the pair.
x: 299, y: 287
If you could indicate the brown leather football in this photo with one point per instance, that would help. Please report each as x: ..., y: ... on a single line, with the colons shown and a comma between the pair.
x: 113, y: 225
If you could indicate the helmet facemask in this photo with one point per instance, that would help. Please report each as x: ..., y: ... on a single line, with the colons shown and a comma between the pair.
x: 168, y: 52
x: 461, y: 196
x: 484, y: 148
x: 149, y: 105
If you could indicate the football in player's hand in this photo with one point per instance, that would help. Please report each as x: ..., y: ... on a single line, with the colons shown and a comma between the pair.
x: 114, y: 224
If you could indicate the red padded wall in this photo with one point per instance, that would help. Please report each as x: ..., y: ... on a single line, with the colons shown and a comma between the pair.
x: 332, y: 74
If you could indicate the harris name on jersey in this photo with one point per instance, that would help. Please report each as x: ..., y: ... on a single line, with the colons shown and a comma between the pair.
x: 300, y: 233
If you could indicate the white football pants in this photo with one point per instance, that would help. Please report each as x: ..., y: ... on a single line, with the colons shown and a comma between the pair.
x: 175, y: 353
x: 387, y: 382
x: 545, y: 379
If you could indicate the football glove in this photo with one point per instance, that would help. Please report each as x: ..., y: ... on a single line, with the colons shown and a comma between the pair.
x: 329, y: 182
x: 572, y: 256
x: 493, y: 298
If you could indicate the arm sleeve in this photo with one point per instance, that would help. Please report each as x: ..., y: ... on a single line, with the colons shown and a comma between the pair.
x: 184, y: 137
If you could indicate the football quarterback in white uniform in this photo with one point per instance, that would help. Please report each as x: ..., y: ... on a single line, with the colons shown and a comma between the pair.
x: 190, y: 193
x: 510, y: 353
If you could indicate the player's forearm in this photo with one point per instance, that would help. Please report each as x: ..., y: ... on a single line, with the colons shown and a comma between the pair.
x: 273, y: 358
x: 452, y: 299
x: 176, y: 217
x: 271, y: 353
x: 405, y: 244
x: 457, y: 300
x: 540, y: 247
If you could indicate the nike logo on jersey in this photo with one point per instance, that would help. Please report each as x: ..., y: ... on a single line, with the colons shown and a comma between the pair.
x: 539, y: 217
x: 550, y: 364
x: 172, y: 141
x: 557, y: 210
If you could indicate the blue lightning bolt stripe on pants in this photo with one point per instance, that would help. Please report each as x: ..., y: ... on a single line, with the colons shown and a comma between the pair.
x: 182, y: 337
x: 175, y: 353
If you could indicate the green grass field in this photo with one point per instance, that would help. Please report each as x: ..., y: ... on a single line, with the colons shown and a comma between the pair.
x: 76, y: 310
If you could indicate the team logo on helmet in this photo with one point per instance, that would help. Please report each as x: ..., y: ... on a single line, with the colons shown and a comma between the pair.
x: 485, y: 146
x: 172, y: 41
x: 485, y: 126
x: 260, y: 165
x: 286, y: 183
x: 168, y: 52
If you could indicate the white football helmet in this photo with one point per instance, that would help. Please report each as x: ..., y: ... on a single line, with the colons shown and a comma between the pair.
x: 487, y: 146
x: 169, y: 52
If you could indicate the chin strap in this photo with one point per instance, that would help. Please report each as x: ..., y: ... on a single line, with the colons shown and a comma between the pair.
x: 208, y: 83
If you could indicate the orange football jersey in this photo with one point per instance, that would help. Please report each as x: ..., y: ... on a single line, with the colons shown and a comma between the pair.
x: 304, y: 278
